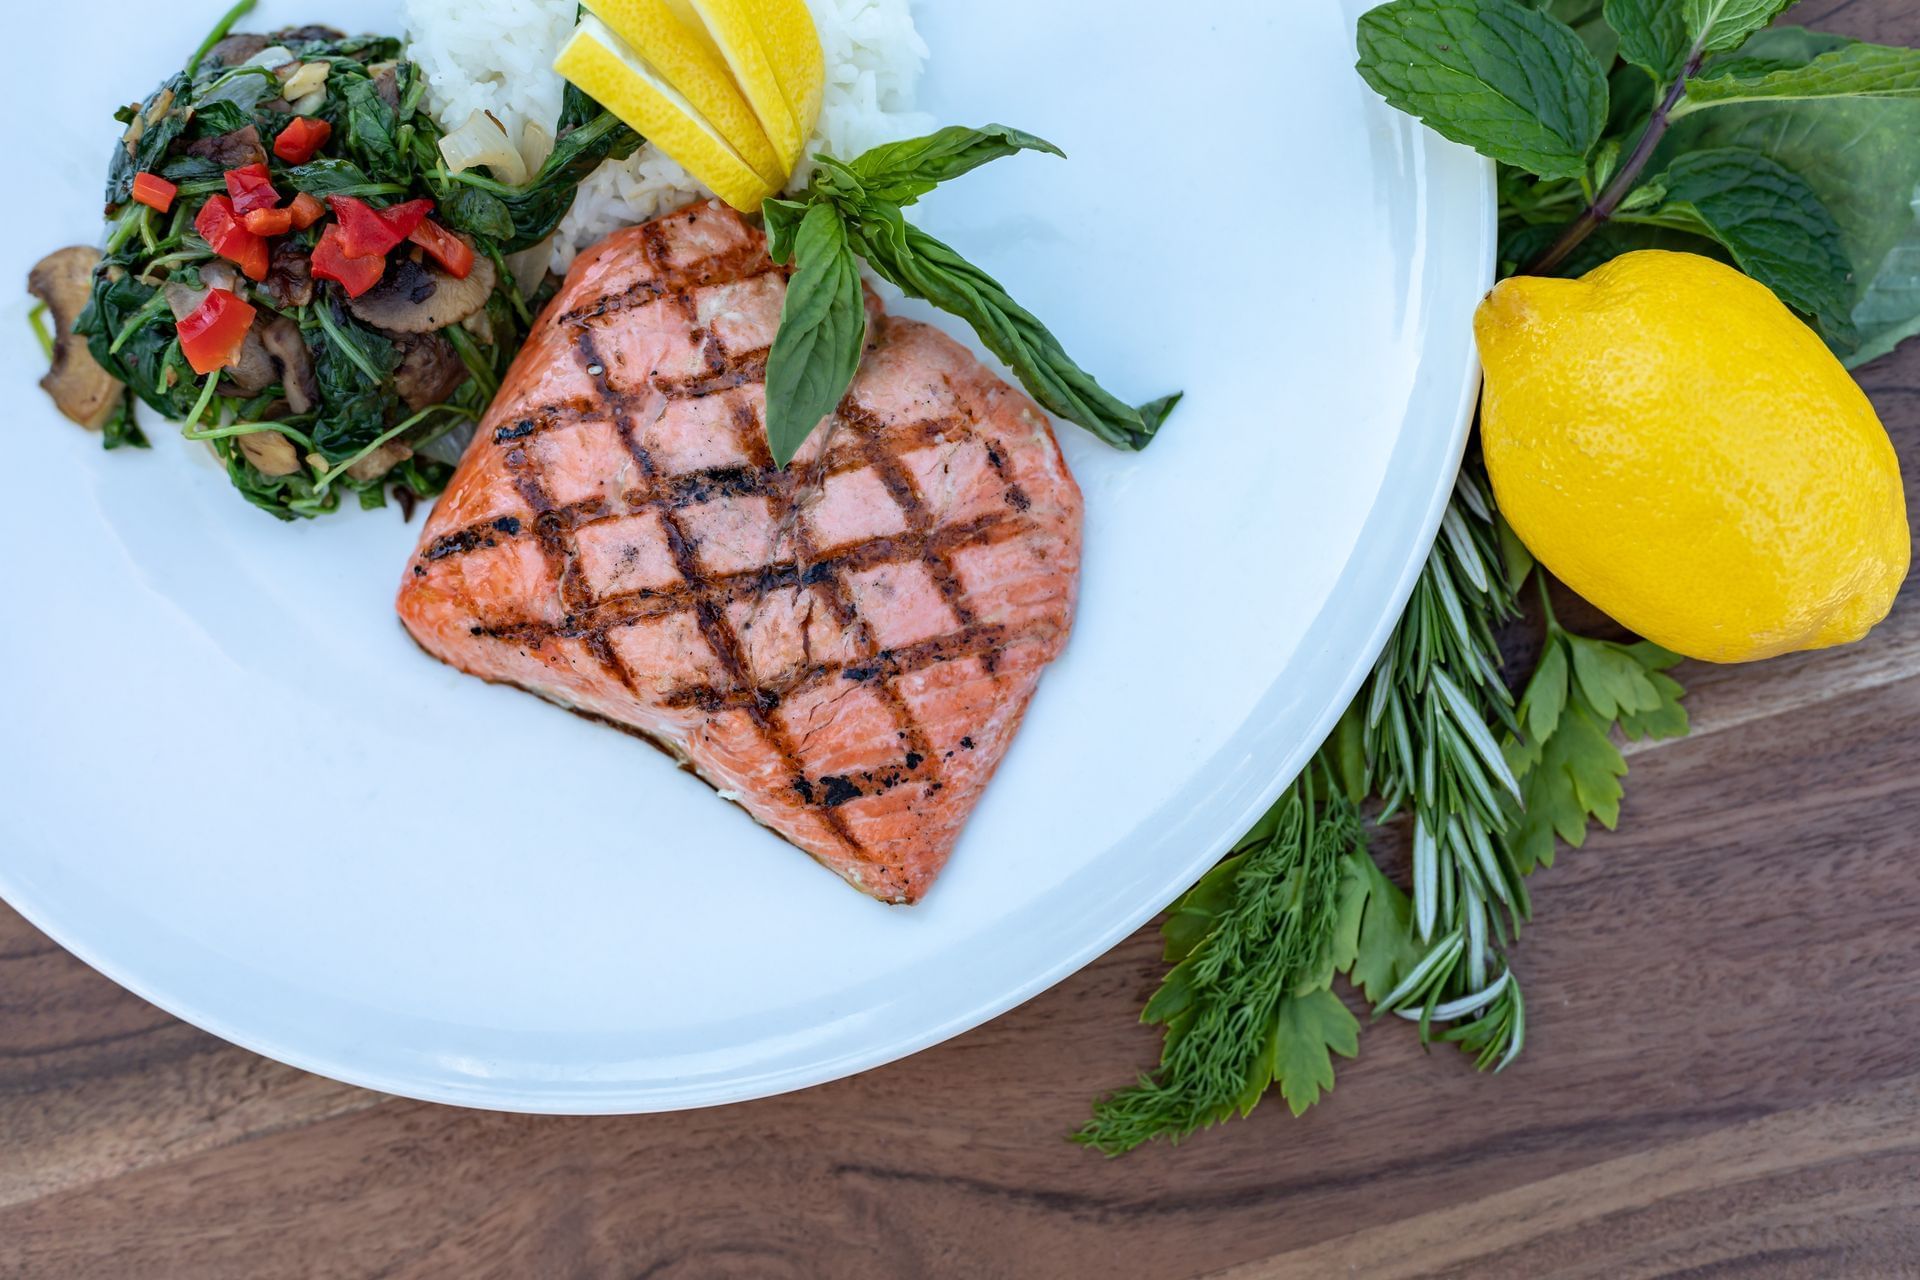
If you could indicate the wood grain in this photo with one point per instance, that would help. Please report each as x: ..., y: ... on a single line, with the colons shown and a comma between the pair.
x: 1722, y: 1078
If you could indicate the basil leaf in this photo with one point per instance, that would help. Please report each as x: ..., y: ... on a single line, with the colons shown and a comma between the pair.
x: 1719, y: 25
x: 1772, y: 222
x: 1510, y: 82
x: 901, y: 172
x: 923, y: 267
x: 1653, y: 36
x: 1855, y: 71
x: 783, y: 218
x: 823, y: 327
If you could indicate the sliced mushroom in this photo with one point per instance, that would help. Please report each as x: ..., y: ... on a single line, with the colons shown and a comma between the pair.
x: 81, y: 389
x: 235, y: 49
x: 310, y: 34
x: 379, y: 462
x: 289, y: 279
x: 430, y: 369
x: 230, y: 150
x: 281, y: 338
x: 386, y: 82
x: 416, y: 297
x: 270, y: 453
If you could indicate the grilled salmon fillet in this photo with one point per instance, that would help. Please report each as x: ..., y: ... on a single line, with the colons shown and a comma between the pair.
x: 845, y: 647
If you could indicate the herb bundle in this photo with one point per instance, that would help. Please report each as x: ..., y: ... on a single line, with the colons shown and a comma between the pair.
x: 852, y: 211
x: 1618, y: 125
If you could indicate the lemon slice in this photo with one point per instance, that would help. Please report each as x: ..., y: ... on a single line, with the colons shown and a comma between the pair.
x: 792, y: 43
x: 731, y: 29
x: 688, y: 60
x: 612, y: 73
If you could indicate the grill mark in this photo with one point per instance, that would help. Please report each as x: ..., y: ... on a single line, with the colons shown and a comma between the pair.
x: 736, y: 267
x: 900, y: 484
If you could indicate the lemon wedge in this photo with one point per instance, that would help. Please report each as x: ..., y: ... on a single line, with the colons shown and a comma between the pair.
x: 731, y: 28
x: 614, y: 74
x: 675, y: 44
x: 792, y: 43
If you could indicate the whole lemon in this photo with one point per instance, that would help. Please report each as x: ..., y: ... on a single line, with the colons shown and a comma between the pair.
x: 1679, y: 448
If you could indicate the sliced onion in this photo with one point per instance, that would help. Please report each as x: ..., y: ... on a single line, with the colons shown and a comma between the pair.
x: 479, y: 141
x: 529, y: 266
x: 536, y: 144
x: 274, y: 56
x: 307, y: 104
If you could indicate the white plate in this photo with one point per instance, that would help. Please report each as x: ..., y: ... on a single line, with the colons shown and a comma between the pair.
x: 230, y: 782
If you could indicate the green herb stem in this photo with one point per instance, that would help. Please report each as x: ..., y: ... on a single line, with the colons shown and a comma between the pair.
x: 1624, y: 179
x: 37, y: 321
x: 218, y: 33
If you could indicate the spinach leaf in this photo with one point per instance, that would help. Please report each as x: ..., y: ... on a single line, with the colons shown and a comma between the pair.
x: 1509, y: 81
x: 328, y: 177
x: 823, y: 326
x: 148, y: 359
x: 475, y: 212
x: 232, y: 101
x: 351, y: 365
x: 538, y: 207
x: 122, y: 430
x: 372, y: 130
x: 163, y: 117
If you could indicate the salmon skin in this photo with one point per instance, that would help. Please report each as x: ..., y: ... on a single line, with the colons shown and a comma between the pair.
x: 846, y: 647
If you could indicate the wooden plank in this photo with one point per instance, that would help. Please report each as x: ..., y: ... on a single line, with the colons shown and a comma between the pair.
x: 1688, y: 974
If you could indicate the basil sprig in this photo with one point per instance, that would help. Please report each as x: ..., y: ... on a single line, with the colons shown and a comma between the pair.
x: 852, y: 211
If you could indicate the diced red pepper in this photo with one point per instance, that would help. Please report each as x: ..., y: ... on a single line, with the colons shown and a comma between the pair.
x: 301, y: 138
x: 251, y: 188
x: 367, y: 232
x: 454, y: 255
x: 228, y: 236
x: 210, y: 337
x: 269, y: 222
x: 154, y: 191
x: 355, y: 273
x: 306, y: 211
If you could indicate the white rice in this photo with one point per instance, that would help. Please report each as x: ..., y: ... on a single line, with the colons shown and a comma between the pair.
x: 497, y: 56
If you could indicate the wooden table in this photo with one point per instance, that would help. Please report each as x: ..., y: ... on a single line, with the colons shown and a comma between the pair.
x: 1722, y: 1077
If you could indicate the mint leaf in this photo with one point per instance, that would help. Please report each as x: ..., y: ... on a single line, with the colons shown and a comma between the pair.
x: 1307, y: 1031
x: 1510, y: 82
x: 1653, y: 36
x: 1719, y: 25
x: 1855, y: 71
x: 823, y: 326
x: 1772, y: 222
x: 1861, y: 156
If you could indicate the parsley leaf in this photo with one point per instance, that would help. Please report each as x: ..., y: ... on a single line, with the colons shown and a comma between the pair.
x: 1504, y: 79
x: 1307, y: 1030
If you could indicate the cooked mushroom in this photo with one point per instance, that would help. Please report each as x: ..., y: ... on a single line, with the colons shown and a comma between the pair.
x: 386, y: 82
x: 418, y: 298
x: 379, y: 462
x: 230, y: 150
x: 235, y: 49
x: 289, y: 279
x: 273, y: 352
x: 81, y: 389
x: 430, y: 369
x: 281, y: 338
x: 270, y: 452
x: 293, y: 37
